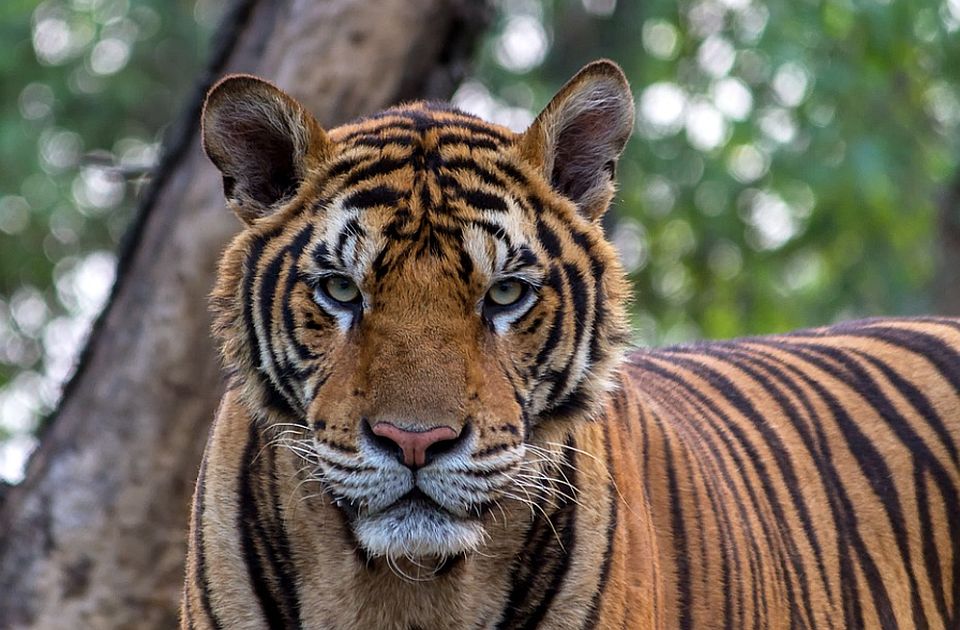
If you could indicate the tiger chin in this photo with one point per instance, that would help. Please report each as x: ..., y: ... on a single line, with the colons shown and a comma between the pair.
x: 433, y: 421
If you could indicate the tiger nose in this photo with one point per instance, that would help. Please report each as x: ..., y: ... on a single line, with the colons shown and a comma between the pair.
x: 415, y: 446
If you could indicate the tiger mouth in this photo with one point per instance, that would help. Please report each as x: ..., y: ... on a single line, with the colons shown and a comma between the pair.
x: 416, y: 526
x: 414, y: 497
x: 419, y: 501
x: 419, y: 498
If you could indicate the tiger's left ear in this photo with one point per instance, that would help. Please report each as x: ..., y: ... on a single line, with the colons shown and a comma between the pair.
x: 262, y: 140
x: 577, y: 138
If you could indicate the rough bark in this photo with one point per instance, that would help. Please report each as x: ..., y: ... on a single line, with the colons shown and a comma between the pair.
x: 947, y: 294
x: 94, y: 536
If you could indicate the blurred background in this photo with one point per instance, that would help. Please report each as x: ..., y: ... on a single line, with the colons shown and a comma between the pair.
x: 795, y: 162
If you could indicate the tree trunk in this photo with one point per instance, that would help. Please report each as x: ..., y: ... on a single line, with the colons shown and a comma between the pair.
x: 947, y: 284
x: 94, y: 536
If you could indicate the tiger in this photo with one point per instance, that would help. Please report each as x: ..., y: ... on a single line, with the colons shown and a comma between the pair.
x: 434, y: 417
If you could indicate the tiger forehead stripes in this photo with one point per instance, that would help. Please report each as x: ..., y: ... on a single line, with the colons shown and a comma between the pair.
x: 415, y: 195
x: 432, y: 422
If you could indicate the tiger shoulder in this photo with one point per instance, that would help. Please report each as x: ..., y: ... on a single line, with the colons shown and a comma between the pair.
x: 434, y: 418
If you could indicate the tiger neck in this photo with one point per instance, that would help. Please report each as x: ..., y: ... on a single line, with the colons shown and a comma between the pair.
x: 341, y: 586
x: 560, y: 551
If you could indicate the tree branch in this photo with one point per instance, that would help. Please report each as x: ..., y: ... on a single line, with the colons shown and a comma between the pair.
x: 94, y: 536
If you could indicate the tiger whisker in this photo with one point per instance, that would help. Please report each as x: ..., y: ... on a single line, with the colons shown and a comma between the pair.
x: 546, y: 517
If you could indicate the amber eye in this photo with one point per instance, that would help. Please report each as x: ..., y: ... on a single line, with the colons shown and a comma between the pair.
x: 506, y: 292
x: 342, y: 289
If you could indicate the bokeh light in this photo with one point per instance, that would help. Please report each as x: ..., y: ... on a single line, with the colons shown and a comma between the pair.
x: 86, y: 96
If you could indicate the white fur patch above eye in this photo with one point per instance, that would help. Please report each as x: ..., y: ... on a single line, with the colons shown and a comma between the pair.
x: 488, y: 252
x: 350, y: 253
x: 475, y: 243
x: 513, y: 221
x: 338, y: 222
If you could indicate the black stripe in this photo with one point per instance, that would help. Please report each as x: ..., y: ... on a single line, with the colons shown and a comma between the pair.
x: 720, y: 472
x: 342, y: 167
x: 567, y: 529
x: 770, y: 375
x: 453, y: 137
x: 478, y: 128
x: 273, y: 398
x: 464, y: 266
x: 523, y: 256
x: 381, y: 264
x: 597, y: 269
x: 373, y: 197
x: 842, y: 508
x: 582, y: 323
x: 727, y: 432
x: 304, y: 353
x: 872, y: 462
x: 678, y: 537
x: 351, y: 228
x: 931, y: 555
x: 279, y: 372
x: 427, y: 206
x: 200, y: 579
x: 376, y: 141
x: 945, y: 359
x: 874, y: 470
x: 918, y: 400
x: 735, y: 396
x: 493, y: 229
x: 281, y: 555
x: 323, y: 257
x: 513, y: 173
x: 612, y: 523
x: 554, y: 281
x: 750, y: 363
x: 548, y: 238
x: 483, y: 201
x: 422, y: 117
x: 401, y: 125
x: 542, y: 564
x: 252, y: 535
x: 575, y: 404
x: 379, y: 166
x: 950, y: 494
x: 472, y: 167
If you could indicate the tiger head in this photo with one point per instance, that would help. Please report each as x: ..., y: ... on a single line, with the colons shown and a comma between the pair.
x: 416, y: 295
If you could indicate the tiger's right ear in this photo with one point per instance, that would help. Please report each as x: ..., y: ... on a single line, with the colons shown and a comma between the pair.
x: 576, y: 140
x: 262, y: 140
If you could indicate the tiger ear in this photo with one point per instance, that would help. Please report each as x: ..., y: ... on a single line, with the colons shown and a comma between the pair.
x: 262, y: 140
x: 577, y: 138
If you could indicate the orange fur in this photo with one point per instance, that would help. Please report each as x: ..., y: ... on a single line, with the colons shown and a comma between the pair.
x: 797, y: 481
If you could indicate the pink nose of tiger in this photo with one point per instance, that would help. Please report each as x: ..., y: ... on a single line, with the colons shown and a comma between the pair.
x: 414, y: 444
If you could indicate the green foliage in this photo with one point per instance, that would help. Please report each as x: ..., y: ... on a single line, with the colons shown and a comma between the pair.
x: 87, y: 88
x: 788, y: 154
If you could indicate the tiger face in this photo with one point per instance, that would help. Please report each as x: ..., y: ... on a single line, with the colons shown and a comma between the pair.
x: 417, y: 294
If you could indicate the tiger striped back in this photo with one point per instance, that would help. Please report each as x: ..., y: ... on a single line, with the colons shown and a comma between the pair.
x: 808, y: 480
x: 432, y: 420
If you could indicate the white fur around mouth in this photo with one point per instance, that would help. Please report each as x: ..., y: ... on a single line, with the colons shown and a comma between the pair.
x: 414, y: 528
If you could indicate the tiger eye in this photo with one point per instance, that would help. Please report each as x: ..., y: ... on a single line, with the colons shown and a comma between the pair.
x: 506, y: 292
x: 342, y: 289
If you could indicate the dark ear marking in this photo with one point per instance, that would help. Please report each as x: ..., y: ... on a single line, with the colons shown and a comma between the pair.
x: 263, y: 142
x: 577, y: 138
